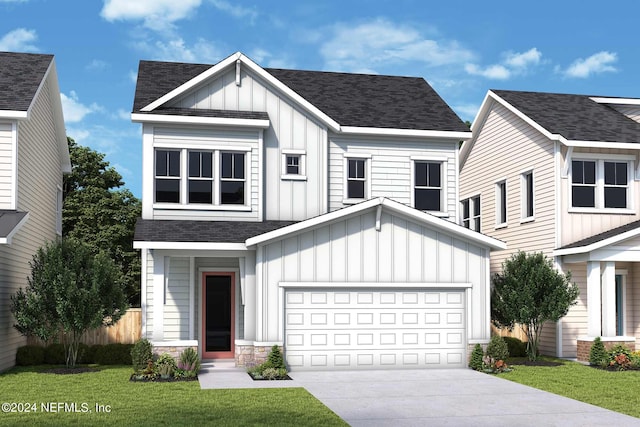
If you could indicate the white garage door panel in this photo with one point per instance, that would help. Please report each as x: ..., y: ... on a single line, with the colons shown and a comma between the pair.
x: 362, y: 329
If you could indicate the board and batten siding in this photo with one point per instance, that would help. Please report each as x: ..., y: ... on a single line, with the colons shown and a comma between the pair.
x: 204, y: 138
x: 39, y: 177
x: 505, y: 148
x: 577, y: 226
x: 291, y: 128
x: 6, y: 164
x: 391, y: 167
x: 352, y: 251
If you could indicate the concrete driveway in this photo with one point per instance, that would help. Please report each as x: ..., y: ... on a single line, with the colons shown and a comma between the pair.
x: 435, y: 397
x: 447, y: 397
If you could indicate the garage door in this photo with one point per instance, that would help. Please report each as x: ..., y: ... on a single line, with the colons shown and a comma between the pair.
x: 361, y: 329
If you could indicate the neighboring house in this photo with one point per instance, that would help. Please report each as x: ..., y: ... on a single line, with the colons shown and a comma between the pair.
x: 560, y: 174
x: 33, y: 157
x: 286, y: 207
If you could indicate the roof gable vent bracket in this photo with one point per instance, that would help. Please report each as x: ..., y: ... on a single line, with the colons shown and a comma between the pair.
x: 238, y: 62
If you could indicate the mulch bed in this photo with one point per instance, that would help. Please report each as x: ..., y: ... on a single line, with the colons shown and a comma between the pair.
x: 69, y: 371
x: 134, y: 378
x: 286, y: 377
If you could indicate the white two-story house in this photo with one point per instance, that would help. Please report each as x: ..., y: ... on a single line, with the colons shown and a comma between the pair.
x: 559, y: 174
x: 311, y: 210
x: 33, y: 157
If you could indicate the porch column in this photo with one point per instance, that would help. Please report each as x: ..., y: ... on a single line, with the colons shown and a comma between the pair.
x: 593, y: 299
x: 609, y: 299
x: 250, y: 296
x: 158, y: 296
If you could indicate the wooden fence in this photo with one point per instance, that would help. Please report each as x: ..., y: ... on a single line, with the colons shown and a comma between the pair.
x: 517, y: 332
x: 126, y: 331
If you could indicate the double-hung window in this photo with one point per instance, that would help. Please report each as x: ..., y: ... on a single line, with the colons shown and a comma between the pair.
x: 167, y: 176
x: 601, y: 184
x: 427, y: 189
x: 232, y: 180
x: 356, y: 178
x: 526, y: 196
x: 501, y: 203
x: 294, y: 165
x: 192, y: 177
x: 471, y: 213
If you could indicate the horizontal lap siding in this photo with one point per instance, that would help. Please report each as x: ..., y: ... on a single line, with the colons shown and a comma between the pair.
x: 633, y: 307
x: 39, y: 175
x: 176, y: 309
x: 149, y: 300
x: 505, y: 148
x: 290, y: 128
x: 390, y: 167
x: 353, y: 251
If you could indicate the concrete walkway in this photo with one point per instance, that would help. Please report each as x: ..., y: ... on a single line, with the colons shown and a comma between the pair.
x: 442, y: 397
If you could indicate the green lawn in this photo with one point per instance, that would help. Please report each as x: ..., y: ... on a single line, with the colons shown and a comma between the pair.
x: 153, y: 404
x: 618, y: 391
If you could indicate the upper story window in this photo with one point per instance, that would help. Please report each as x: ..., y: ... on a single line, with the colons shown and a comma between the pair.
x: 600, y: 184
x: 356, y: 178
x: 232, y: 180
x: 167, y: 176
x: 526, y: 196
x: 501, y: 203
x: 427, y: 188
x: 294, y: 165
x: 191, y: 177
x: 471, y: 213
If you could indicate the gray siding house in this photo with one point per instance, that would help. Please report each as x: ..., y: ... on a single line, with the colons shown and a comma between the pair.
x: 311, y: 210
x: 33, y: 158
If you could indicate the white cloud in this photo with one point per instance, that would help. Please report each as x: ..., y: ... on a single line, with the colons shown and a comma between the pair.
x: 514, y: 63
x: 123, y: 114
x: 19, y: 40
x: 600, y: 62
x: 158, y: 15
x: 266, y: 59
x: 236, y: 11
x: 466, y: 111
x: 97, y: 65
x: 377, y: 43
x: 178, y: 50
x: 74, y: 110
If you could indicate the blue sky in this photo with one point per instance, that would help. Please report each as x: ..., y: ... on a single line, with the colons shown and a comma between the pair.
x: 462, y: 48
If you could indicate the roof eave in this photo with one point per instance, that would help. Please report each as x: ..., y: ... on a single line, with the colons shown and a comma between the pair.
x: 356, y: 130
x: 200, y: 120
x: 203, y: 246
x: 599, y: 244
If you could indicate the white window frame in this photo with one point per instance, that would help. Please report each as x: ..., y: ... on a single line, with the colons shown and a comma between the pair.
x: 524, y: 197
x: 212, y: 180
x: 367, y: 177
x: 502, y: 204
x: 443, y: 212
x: 221, y: 179
x: 600, y: 159
x: 217, y: 174
x: 179, y: 178
x: 302, y: 165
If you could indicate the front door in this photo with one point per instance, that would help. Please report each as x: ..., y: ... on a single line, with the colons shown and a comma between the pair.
x: 218, y: 332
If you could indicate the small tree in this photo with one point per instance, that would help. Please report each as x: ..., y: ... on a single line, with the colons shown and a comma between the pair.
x: 70, y: 290
x: 530, y: 292
x: 598, y: 355
x: 476, y: 358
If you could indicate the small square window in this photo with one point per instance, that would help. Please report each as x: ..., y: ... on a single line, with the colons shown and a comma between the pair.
x: 293, y: 164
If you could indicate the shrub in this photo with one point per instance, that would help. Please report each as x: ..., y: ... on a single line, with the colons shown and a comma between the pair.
x: 54, y: 354
x: 29, y: 355
x: 189, y: 362
x: 141, y: 353
x: 598, y: 354
x: 83, y: 352
x: 476, y: 358
x: 275, y: 358
x: 114, y: 354
x: 516, y: 347
x: 497, y: 348
x: 620, y: 358
x: 92, y: 351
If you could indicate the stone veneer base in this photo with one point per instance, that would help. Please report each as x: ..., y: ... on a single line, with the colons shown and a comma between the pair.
x: 251, y: 355
x: 584, y: 347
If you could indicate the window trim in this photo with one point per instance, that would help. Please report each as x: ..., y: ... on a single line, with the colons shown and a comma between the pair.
x: 600, y: 160
x: 525, y: 196
x: 443, y: 182
x: 156, y: 177
x: 501, y: 203
x: 183, y: 204
x: 302, y: 166
x: 212, y: 179
x: 345, y: 177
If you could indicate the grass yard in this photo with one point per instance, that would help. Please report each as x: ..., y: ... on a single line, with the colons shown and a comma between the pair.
x: 618, y: 391
x: 153, y: 404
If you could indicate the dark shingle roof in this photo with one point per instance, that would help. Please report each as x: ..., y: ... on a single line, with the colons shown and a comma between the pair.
x: 350, y: 99
x: 9, y: 220
x: 202, y: 231
x: 603, y: 236
x: 575, y: 117
x: 20, y: 77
